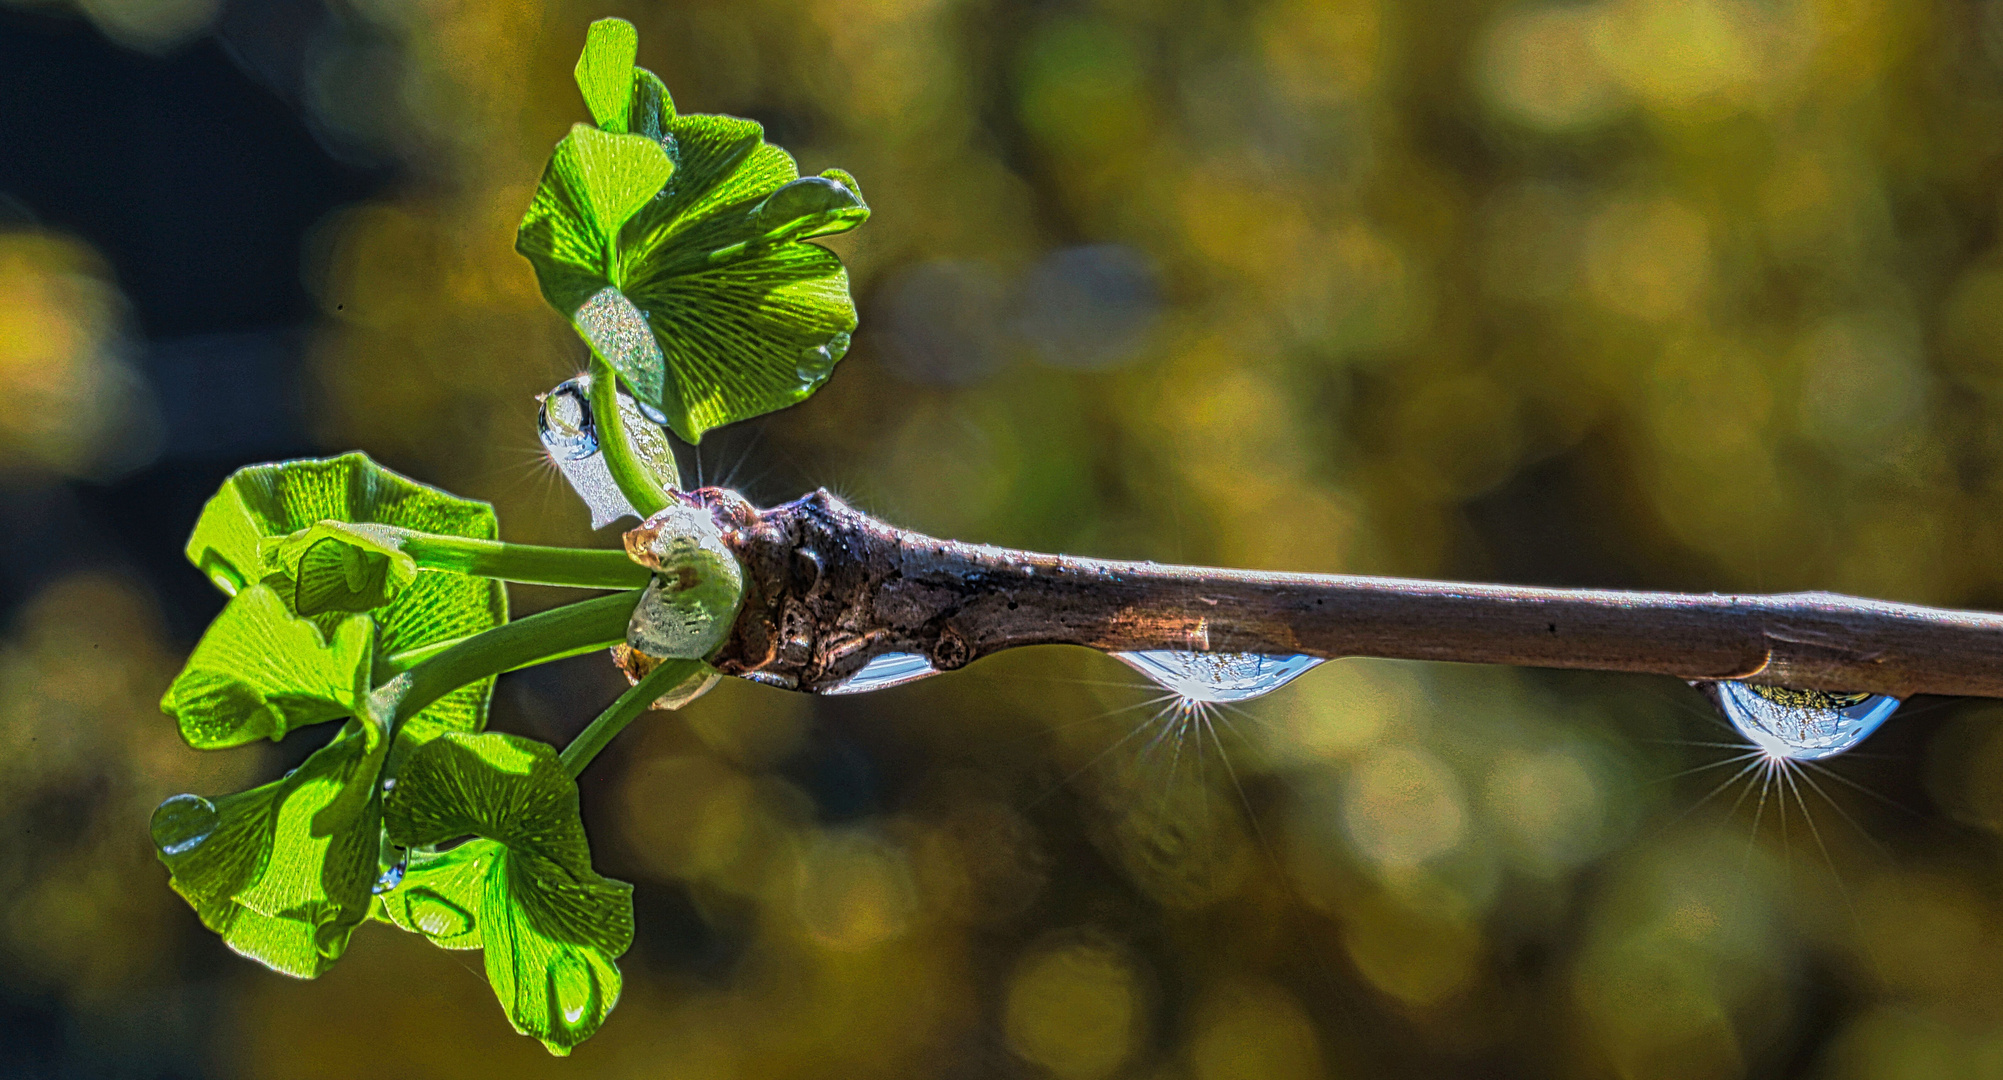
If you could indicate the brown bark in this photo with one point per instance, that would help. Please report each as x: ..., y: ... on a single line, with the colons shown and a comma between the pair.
x: 828, y: 588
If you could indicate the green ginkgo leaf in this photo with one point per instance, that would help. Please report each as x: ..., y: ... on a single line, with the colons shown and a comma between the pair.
x: 605, y: 72
x: 260, y: 671
x: 595, y: 181
x: 258, y: 508
x: 336, y: 566
x: 523, y: 889
x: 705, y: 301
x: 283, y: 872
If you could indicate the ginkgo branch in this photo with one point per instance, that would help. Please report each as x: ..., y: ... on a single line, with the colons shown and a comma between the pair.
x: 828, y: 588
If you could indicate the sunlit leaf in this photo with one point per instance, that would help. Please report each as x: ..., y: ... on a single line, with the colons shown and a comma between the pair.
x: 594, y: 183
x: 523, y: 890
x: 605, y: 72
x: 706, y: 301
x: 261, y: 671
x: 283, y: 872
x: 259, y: 507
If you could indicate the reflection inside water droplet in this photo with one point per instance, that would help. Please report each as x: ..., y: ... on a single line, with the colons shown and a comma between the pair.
x: 391, y: 877
x: 1218, y: 678
x: 1802, y: 725
x: 181, y: 824
x: 565, y: 424
x: 883, y: 672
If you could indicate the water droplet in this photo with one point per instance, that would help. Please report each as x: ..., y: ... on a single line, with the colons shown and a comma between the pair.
x: 181, y: 824
x: 814, y: 364
x: 651, y: 411
x: 1218, y: 678
x: 1801, y: 725
x: 330, y: 934
x: 883, y: 672
x: 391, y: 877
x: 435, y: 916
x: 570, y: 436
x: 573, y: 988
x: 808, y: 206
x: 389, y: 785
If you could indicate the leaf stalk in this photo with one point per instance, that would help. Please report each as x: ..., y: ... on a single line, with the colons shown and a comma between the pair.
x: 635, y: 480
x: 636, y: 700
x: 597, y: 623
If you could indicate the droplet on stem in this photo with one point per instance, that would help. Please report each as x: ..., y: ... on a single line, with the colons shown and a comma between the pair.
x: 570, y: 437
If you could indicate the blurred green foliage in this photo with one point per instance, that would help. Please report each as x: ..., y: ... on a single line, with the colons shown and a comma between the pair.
x: 1681, y: 293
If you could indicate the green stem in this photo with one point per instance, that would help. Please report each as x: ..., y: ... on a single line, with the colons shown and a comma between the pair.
x: 533, y: 564
x: 398, y: 663
x: 635, y: 480
x: 668, y: 675
x: 597, y: 623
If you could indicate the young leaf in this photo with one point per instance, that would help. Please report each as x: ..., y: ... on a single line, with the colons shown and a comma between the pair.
x: 335, y: 566
x: 524, y: 890
x: 259, y: 506
x: 593, y: 183
x: 261, y: 671
x: 282, y: 872
x: 744, y: 318
x: 605, y: 72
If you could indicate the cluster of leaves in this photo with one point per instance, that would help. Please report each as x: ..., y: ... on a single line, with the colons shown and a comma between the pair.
x: 672, y: 244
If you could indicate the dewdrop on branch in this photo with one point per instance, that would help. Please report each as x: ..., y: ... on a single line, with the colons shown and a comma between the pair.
x: 1800, y: 725
x: 1217, y: 678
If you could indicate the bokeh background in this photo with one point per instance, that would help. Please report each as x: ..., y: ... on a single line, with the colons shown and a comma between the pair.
x: 1697, y: 294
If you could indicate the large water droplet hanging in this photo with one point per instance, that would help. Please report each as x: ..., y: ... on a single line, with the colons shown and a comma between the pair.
x: 1218, y: 678
x: 1801, y: 725
x: 574, y: 987
x: 883, y: 672
x: 181, y: 824
x: 434, y: 916
x: 570, y: 437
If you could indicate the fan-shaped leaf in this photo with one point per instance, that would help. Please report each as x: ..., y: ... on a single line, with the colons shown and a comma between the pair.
x: 524, y: 890
x: 605, y: 72
x: 282, y: 872
x: 260, y: 507
x: 261, y: 671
